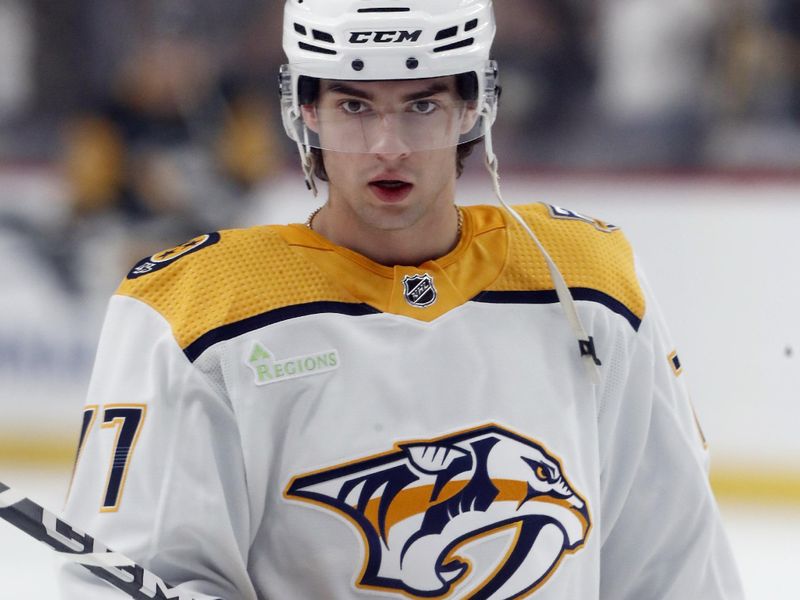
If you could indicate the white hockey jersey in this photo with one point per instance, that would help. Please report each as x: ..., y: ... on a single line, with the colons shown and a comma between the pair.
x: 275, y: 417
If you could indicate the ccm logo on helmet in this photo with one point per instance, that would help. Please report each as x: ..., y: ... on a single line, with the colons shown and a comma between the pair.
x: 384, y: 37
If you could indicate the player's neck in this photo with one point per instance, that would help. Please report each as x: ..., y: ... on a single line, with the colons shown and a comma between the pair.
x: 431, y: 236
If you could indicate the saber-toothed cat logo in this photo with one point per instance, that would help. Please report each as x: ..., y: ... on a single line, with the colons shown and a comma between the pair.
x: 423, y: 505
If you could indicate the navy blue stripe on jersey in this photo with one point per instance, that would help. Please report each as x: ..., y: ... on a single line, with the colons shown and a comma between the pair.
x: 550, y: 297
x: 232, y: 330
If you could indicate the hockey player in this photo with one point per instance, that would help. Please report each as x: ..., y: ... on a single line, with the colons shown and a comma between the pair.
x: 400, y: 398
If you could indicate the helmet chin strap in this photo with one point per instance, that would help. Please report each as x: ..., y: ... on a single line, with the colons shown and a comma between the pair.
x: 307, y: 163
x: 567, y: 302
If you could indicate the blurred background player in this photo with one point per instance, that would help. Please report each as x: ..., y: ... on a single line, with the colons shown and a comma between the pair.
x: 176, y: 146
x: 401, y: 397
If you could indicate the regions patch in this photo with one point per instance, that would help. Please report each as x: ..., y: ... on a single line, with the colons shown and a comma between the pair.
x: 562, y: 213
x: 422, y: 507
x: 268, y: 369
x: 166, y: 257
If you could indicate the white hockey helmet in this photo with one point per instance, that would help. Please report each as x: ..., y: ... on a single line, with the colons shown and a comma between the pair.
x: 378, y: 40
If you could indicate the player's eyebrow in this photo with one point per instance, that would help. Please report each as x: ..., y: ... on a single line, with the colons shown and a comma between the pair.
x: 431, y: 90
x: 347, y: 90
x: 343, y: 88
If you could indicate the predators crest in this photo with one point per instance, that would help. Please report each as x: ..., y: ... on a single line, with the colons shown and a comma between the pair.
x: 420, y: 507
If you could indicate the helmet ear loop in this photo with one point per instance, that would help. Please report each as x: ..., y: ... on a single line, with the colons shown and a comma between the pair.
x: 488, y: 113
x: 290, y: 113
x: 307, y: 162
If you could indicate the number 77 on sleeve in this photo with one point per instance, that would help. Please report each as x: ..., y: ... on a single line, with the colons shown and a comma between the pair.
x: 127, y: 421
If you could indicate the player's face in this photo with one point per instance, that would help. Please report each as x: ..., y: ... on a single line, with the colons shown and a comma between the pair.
x: 390, y: 147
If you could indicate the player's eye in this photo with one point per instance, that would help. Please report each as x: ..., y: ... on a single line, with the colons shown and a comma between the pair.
x: 423, y: 107
x: 353, y: 107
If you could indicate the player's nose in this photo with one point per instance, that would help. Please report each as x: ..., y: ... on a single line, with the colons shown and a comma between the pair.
x: 387, y: 139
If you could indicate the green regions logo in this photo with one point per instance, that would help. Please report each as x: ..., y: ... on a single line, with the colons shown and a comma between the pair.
x: 268, y: 369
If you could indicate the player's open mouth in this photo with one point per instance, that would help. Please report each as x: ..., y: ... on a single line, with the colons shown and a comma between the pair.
x: 390, y: 190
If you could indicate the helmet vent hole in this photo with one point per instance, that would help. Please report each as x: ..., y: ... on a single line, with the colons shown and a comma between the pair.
x: 388, y: 9
x: 322, y: 36
x: 471, y: 25
x: 447, y: 33
x: 317, y: 49
x: 300, y: 29
x: 455, y: 45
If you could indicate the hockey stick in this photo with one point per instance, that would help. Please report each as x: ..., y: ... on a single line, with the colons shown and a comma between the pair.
x: 114, y: 568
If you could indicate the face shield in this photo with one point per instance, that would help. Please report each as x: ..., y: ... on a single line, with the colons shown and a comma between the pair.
x: 380, y: 117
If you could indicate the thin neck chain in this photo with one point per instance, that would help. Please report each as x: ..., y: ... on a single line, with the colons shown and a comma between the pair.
x: 310, y: 220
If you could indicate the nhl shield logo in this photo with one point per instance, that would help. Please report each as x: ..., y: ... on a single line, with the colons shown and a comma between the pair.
x: 419, y: 290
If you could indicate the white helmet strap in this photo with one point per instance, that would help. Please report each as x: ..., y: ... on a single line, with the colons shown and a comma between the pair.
x: 307, y: 163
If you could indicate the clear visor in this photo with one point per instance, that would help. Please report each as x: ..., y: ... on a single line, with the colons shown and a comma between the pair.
x: 384, y: 117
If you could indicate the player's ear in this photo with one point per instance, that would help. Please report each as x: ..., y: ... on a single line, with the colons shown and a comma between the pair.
x: 310, y: 117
